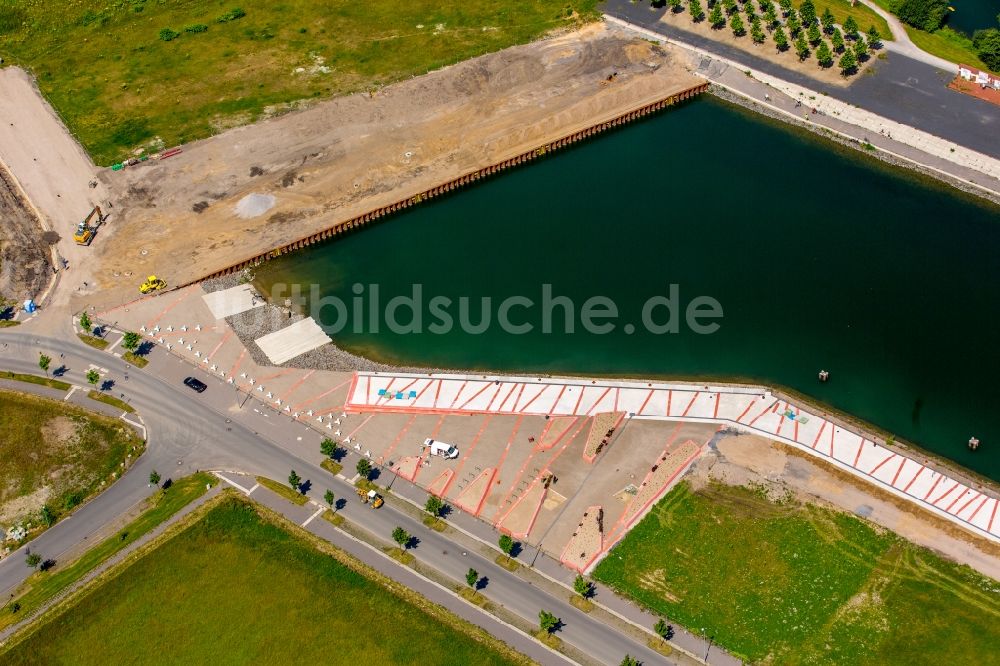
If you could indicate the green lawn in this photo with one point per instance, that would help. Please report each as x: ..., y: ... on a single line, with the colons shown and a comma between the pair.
x: 234, y: 588
x: 56, y: 453
x: 118, y: 85
x: 793, y: 583
x: 43, y: 586
x: 864, y: 16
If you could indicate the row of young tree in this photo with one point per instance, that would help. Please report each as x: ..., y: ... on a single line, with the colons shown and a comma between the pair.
x: 800, y: 29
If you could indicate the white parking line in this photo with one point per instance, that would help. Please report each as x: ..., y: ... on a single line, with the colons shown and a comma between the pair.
x: 72, y: 390
x: 310, y: 518
x: 233, y: 483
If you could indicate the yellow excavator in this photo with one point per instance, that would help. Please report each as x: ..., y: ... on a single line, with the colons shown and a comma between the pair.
x: 86, y: 230
x: 152, y: 284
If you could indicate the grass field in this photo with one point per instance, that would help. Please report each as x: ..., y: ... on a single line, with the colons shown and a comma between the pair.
x: 118, y: 84
x: 793, y: 583
x: 55, y: 454
x: 235, y: 588
x: 43, y: 586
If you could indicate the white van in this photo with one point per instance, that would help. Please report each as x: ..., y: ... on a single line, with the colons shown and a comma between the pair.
x: 441, y: 449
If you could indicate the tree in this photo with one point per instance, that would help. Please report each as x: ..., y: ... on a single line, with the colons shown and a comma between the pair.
x: 851, y: 27
x: 770, y: 17
x: 756, y: 33
x: 329, y: 498
x: 848, y: 62
x: 786, y: 7
x: 364, y: 468
x: 130, y: 341
x: 751, y: 14
x: 814, y: 34
x: 780, y: 39
x: 629, y: 660
x: 44, y: 362
x: 402, y: 537
x: 736, y: 23
x: 987, y: 45
x: 716, y: 17
x: 33, y: 560
x: 860, y: 49
x: 663, y: 630
x: 294, y: 480
x: 85, y: 323
x: 926, y: 15
x: 47, y: 516
x: 801, y: 47
x: 874, y: 37
x: 694, y: 7
x: 807, y: 10
x: 434, y: 505
x: 730, y: 6
x: 547, y: 621
x: 582, y: 586
x: 328, y: 447
x: 506, y: 545
x: 471, y: 578
x: 837, y: 40
x: 93, y: 376
x: 823, y: 55
x: 154, y: 478
x: 675, y: 6
x: 794, y: 25
x: 827, y: 20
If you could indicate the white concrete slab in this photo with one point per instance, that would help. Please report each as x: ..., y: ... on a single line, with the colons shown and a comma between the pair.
x: 289, y: 342
x: 232, y: 301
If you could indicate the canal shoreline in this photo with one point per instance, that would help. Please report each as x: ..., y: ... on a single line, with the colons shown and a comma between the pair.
x: 273, y: 317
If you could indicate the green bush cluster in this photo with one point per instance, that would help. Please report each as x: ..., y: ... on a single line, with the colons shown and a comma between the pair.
x: 232, y: 15
x: 197, y: 27
x: 168, y: 34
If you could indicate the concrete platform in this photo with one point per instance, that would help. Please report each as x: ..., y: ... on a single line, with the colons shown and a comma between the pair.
x: 291, y: 341
x: 232, y: 301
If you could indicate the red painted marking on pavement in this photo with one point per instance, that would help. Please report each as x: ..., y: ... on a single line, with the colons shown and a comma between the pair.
x: 996, y: 503
x: 275, y: 375
x: 239, y: 360
x: 503, y: 456
x: 981, y: 505
x: 919, y: 472
x: 691, y: 404
x: 387, y: 396
x: 369, y: 418
x: 399, y: 437
x: 896, y: 477
x: 955, y: 501
x: 598, y: 401
x: 297, y: 384
x: 476, y: 395
x: 576, y: 407
x: 936, y: 481
x: 766, y: 410
x: 225, y: 337
x: 424, y: 389
x: 644, y: 402
x: 876, y: 467
x: 781, y: 422
x: 170, y: 307
x: 833, y: 432
x: 857, y: 456
x: 558, y: 397
x: 324, y: 394
x: 459, y: 394
x: 745, y: 411
x: 496, y: 394
x: 427, y: 451
x: 818, y: 435
x: 618, y: 392
x: 795, y: 436
x: 670, y: 397
x: 468, y: 452
x: 513, y: 387
x: 538, y: 395
x: 946, y: 494
x: 718, y: 399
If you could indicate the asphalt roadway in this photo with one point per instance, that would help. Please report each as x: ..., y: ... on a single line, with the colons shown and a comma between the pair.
x: 189, y: 432
x: 900, y: 88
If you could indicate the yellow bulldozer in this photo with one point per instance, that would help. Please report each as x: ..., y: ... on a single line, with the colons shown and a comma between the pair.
x: 86, y: 230
x: 152, y: 284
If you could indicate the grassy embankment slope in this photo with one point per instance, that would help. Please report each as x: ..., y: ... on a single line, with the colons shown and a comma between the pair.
x: 794, y: 583
x: 118, y: 85
x: 944, y: 42
x: 235, y: 587
x: 56, y: 455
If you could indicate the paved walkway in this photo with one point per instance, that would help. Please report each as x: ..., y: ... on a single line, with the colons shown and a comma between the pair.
x: 903, y: 44
x: 849, y: 121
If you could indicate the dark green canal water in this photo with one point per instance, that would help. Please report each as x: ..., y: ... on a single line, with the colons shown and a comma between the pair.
x: 819, y: 257
x: 972, y: 15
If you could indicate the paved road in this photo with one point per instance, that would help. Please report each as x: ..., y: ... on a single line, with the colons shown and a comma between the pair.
x: 188, y: 432
x: 901, y: 88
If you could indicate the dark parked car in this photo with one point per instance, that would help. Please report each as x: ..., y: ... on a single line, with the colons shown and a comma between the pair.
x: 196, y: 384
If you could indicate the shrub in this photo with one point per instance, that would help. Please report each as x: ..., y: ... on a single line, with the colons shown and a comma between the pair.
x: 924, y: 14
x: 197, y: 27
x: 167, y: 34
x: 232, y: 15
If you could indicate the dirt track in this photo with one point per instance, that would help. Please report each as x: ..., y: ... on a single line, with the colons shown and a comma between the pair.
x: 25, y: 266
x: 177, y: 217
